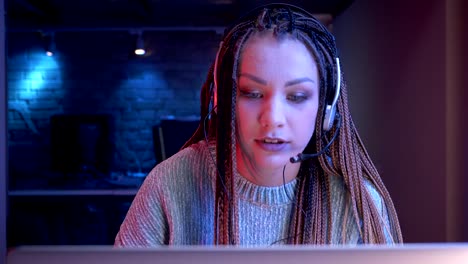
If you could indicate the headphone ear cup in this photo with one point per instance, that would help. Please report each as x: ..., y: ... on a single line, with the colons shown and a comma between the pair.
x: 330, y: 109
x: 329, y: 117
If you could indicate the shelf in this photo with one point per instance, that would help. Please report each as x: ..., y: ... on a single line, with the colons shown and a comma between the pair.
x: 83, y: 192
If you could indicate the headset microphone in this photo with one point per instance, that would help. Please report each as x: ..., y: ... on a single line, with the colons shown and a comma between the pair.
x: 301, y: 156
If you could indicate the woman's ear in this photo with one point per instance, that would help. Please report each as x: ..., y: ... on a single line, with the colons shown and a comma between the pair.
x: 215, y: 79
x: 215, y: 99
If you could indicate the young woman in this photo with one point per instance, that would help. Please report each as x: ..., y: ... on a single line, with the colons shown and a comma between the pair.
x: 276, y: 158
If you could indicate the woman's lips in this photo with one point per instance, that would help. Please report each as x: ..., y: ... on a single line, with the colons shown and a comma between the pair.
x: 272, y: 147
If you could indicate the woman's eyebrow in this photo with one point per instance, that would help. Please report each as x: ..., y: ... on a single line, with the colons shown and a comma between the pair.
x: 253, y: 78
x: 299, y: 80
x: 264, y: 82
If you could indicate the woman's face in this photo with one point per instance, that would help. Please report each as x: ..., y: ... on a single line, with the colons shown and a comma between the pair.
x: 277, y: 102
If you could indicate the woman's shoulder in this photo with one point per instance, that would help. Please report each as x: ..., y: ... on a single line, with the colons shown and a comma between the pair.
x: 194, y: 152
x: 188, y: 162
x: 375, y: 199
x: 338, y: 186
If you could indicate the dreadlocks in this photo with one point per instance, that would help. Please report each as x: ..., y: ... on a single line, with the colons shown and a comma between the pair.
x: 311, y: 220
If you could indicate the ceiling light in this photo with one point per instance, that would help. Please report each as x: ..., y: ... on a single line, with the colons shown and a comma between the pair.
x: 140, y: 45
x: 49, y: 44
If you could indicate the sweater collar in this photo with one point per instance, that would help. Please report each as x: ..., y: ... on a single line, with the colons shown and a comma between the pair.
x: 263, y: 195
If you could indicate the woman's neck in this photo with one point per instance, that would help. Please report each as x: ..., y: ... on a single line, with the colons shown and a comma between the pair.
x: 268, y: 176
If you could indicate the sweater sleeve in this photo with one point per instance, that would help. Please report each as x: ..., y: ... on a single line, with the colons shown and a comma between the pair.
x: 172, y: 204
x: 145, y: 224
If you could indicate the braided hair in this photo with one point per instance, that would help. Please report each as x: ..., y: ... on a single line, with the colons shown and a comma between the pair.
x: 346, y: 156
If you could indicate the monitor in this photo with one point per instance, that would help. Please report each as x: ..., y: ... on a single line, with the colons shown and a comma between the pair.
x: 367, y: 254
x: 81, y: 143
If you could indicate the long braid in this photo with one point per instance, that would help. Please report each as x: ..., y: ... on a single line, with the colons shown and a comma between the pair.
x: 228, y: 217
x: 223, y: 214
x: 296, y: 231
x: 360, y: 167
x: 369, y: 169
x: 296, y: 228
x: 351, y: 169
x: 374, y: 176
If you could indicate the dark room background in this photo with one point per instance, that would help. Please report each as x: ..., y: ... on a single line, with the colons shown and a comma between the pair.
x: 84, y: 118
x: 403, y: 63
x: 96, y: 73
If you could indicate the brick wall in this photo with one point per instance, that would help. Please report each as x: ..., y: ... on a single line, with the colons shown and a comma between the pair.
x: 96, y: 72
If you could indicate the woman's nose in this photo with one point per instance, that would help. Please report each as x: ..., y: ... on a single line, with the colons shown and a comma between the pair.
x: 272, y: 113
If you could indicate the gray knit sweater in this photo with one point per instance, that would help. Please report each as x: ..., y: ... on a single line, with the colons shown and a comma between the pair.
x: 175, y: 206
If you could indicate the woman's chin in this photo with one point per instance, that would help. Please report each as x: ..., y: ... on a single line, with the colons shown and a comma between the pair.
x: 272, y: 162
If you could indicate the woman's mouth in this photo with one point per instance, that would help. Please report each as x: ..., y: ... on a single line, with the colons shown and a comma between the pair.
x: 273, y: 140
x: 272, y: 144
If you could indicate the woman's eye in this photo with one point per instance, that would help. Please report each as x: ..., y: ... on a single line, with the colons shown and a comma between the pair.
x: 297, y: 98
x: 251, y: 94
